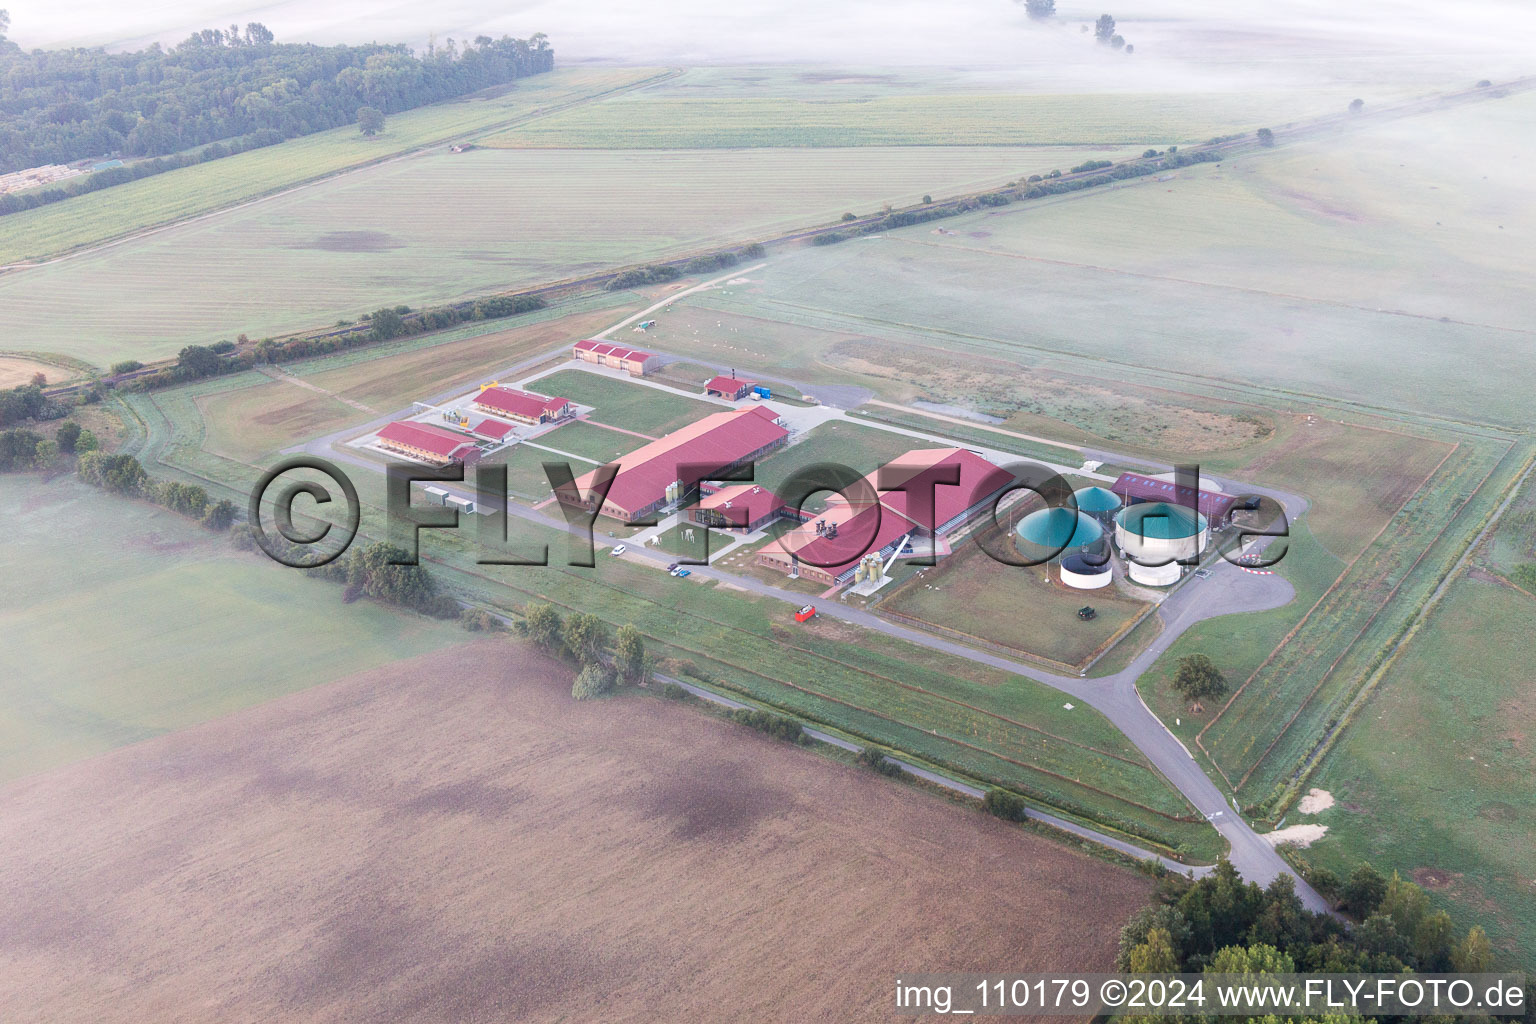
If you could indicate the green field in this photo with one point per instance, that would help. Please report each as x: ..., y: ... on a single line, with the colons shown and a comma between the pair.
x: 191, y: 191
x: 657, y: 121
x: 589, y: 441
x: 124, y: 622
x: 1434, y: 777
x: 440, y: 226
x: 620, y: 403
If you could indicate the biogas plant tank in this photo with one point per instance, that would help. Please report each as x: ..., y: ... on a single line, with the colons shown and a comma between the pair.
x: 1156, y: 531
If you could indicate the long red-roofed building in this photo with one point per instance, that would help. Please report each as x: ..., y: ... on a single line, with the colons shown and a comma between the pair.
x: 522, y: 406
x: 1214, y: 505
x: 633, y: 361
x: 715, y: 444
x: 928, y: 493
x: 426, y: 443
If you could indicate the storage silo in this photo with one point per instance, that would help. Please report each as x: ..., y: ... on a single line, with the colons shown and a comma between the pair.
x: 1099, y: 502
x: 1157, y: 532
x: 1047, y: 533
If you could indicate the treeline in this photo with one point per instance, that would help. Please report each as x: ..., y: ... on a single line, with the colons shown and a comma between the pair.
x: 605, y: 658
x: 194, y: 362
x: 374, y: 570
x: 1223, y: 924
x: 1034, y: 187
x: 125, y: 475
x: 226, y: 90
x: 660, y: 273
x: 22, y: 450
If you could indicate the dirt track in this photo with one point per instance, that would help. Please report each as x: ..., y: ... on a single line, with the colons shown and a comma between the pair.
x: 453, y: 839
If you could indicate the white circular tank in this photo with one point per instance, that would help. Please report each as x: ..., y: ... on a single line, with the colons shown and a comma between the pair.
x: 1157, y: 532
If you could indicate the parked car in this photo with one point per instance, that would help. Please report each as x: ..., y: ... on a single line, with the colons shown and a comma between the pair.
x: 672, y: 568
x: 683, y: 572
x: 617, y: 550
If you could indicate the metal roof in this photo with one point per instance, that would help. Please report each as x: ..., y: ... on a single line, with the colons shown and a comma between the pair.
x: 1136, y: 487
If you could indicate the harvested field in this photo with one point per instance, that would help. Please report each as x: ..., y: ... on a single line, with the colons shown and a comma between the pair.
x: 387, y: 848
x: 18, y: 370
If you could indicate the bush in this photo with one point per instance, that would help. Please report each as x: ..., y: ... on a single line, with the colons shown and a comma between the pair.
x: 1002, y: 804
x: 18, y: 450
x: 830, y: 238
x: 848, y: 216
x: 927, y: 199
x: 874, y: 759
x: 672, y: 691
x: 1092, y: 165
x: 592, y: 681
x: 478, y: 620
x: 773, y: 725
x: 753, y: 252
x: 127, y: 366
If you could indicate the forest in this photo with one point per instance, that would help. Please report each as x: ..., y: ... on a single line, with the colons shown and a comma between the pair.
x: 224, y: 89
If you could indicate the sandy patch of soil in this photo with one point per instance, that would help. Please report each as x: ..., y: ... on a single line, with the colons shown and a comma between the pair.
x: 1316, y: 801
x: 1295, y: 835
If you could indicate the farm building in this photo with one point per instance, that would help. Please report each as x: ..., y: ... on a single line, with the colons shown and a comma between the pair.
x: 731, y: 388
x: 1134, y: 488
x: 648, y: 477
x: 1155, y: 536
x: 491, y: 430
x: 426, y: 443
x: 740, y: 506
x: 920, y: 501
x: 522, y: 406
x: 632, y: 361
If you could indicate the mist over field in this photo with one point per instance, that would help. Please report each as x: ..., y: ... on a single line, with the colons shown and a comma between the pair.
x: 1179, y: 43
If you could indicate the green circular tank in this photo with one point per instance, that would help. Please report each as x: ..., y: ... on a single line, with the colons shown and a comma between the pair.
x: 1048, y: 532
x: 1097, y: 501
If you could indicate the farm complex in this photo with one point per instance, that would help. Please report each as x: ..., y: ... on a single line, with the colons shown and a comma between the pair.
x: 997, y: 464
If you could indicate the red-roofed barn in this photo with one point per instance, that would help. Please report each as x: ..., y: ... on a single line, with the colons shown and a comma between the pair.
x: 717, y: 443
x: 632, y: 361
x: 522, y: 406
x: 729, y: 387
x: 426, y: 443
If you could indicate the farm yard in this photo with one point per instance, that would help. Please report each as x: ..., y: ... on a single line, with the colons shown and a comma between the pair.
x: 1013, y: 607
x: 437, y: 884
x: 103, y: 593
